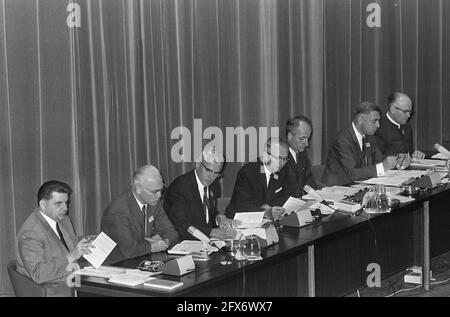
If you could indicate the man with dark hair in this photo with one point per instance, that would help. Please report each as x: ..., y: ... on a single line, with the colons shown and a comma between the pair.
x: 297, y: 171
x: 47, y: 243
x: 191, y: 199
x: 258, y: 184
x: 354, y: 155
x: 395, y: 134
x: 136, y: 220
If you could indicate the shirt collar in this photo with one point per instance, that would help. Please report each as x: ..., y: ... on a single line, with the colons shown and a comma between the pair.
x: 267, y: 172
x: 201, y: 187
x: 50, y: 221
x: 392, y: 120
x: 137, y: 200
x: 294, y: 154
x: 359, y: 136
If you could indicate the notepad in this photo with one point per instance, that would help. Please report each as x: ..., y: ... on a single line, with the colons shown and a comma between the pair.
x: 161, y: 284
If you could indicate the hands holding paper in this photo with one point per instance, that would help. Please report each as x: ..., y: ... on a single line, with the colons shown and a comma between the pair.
x: 225, y: 222
x: 223, y: 233
x: 274, y: 212
x: 83, y: 247
x: 158, y: 244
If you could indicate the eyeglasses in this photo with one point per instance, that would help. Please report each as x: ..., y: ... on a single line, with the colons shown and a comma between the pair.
x: 217, y: 174
x: 411, y: 112
x: 280, y: 158
x: 156, y: 191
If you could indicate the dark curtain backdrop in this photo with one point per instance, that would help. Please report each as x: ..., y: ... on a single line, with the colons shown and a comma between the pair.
x: 88, y: 105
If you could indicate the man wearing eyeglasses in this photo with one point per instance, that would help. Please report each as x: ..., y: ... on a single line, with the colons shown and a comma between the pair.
x: 297, y: 171
x: 136, y: 220
x: 191, y: 199
x: 258, y: 185
x: 395, y: 134
x: 354, y: 156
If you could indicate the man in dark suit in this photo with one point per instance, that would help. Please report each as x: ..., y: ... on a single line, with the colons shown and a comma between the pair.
x: 395, y: 134
x: 46, y: 242
x: 191, y: 199
x: 136, y: 220
x: 297, y: 171
x: 354, y: 155
x: 258, y: 185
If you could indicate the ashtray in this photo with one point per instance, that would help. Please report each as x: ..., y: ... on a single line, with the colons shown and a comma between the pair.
x: 410, y: 190
x: 393, y: 202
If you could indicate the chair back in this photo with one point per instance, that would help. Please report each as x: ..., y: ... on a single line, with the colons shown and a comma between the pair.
x: 24, y: 286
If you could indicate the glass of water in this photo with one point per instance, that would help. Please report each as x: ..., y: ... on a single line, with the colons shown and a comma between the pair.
x: 251, y: 248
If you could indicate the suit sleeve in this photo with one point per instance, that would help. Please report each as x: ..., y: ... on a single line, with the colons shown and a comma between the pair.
x: 42, y: 268
x: 309, y: 176
x: 177, y: 206
x: 379, y: 142
x: 164, y: 227
x: 242, y: 198
x: 119, y: 228
x: 346, y: 157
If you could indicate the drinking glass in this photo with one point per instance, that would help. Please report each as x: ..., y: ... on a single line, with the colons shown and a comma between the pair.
x: 251, y: 248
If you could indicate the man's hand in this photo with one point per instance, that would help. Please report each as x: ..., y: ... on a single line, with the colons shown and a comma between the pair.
x: 389, y: 162
x: 83, y: 247
x: 225, y: 222
x: 418, y: 155
x: 223, y: 233
x: 277, y: 212
x: 158, y: 244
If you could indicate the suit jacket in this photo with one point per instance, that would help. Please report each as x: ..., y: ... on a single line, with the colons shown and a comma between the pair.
x: 41, y: 255
x: 345, y: 162
x: 123, y: 222
x: 184, y: 206
x: 251, y: 191
x: 297, y: 174
x: 391, y: 140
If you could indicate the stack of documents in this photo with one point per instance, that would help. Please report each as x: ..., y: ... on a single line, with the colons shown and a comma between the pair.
x: 424, y: 163
x: 132, y: 277
x: 191, y: 246
x: 253, y: 219
x: 102, y: 271
x: 396, y: 178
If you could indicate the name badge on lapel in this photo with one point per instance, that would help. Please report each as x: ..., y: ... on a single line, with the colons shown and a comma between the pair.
x: 150, y: 220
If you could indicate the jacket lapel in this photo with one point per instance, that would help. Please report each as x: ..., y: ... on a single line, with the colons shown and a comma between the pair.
x: 356, y: 147
x: 135, y: 213
x: 51, y: 233
x: 196, y: 196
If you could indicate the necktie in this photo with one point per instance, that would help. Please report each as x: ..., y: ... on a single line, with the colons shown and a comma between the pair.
x: 144, y: 212
x: 61, y: 237
x: 364, y: 151
x: 298, y: 158
x: 271, y: 181
x: 206, y: 203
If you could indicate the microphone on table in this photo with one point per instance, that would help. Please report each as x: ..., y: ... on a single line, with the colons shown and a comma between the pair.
x: 442, y: 150
x: 311, y: 191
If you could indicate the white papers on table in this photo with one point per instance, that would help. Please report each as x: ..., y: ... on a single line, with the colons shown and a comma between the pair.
x: 402, y: 199
x: 260, y: 232
x: 161, y: 284
x: 440, y: 156
x: 103, y: 247
x: 249, y: 219
x: 395, y: 177
x: 425, y: 163
x: 131, y: 277
x: 191, y: 246
x: 102, y: 271
x: 334, y: 193
x: 293, y: 204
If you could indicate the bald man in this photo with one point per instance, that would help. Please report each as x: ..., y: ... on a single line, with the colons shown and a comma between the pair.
x: 258, y: 184
x: 395, y: 134
x: 191, y: 199
x: 136, y: 220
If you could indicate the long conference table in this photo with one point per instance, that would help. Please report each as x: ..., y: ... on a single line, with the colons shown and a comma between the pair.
x: 327, y: 258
